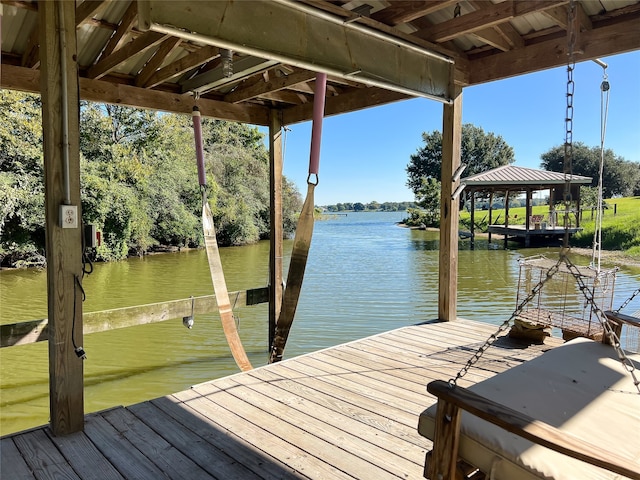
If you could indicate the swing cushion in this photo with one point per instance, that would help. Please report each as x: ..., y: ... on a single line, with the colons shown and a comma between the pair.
x: 580, y: 387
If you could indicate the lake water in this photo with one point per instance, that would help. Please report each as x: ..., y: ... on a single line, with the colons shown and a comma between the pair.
x: 365, y: 275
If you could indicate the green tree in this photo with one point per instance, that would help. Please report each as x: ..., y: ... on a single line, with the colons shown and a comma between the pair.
x: 480, y: 152
x: 619, y: 178
x: 21, y: 177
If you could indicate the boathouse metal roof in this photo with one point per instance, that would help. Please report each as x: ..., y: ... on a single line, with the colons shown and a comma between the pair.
x: 512, y: 176
x: 157, y: 54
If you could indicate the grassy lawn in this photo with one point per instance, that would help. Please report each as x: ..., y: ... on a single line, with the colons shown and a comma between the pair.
x: 619, y: 232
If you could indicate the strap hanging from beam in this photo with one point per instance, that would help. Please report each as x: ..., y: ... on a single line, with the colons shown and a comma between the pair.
x: 213, y: 255
x: 304, y: 231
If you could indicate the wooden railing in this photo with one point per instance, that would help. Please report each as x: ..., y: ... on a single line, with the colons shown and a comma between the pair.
x: 32, y: 331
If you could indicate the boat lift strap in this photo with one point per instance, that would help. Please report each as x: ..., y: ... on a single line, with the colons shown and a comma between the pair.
x: 304, y: 230
x: 213, y: 255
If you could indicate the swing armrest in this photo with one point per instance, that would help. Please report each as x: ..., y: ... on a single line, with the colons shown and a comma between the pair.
x: 445, y: 442
x: 622, y: 318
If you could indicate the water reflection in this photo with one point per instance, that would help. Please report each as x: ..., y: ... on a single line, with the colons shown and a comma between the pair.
x: 365, y: 275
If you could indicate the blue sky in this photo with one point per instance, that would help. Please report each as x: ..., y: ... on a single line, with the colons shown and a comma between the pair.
x: 364, y: 154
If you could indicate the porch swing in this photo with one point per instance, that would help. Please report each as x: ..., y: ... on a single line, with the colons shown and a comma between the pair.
x: 557, y: 416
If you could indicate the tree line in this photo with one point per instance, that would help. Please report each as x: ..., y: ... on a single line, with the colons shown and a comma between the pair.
x: 484, y: 151
x: 139, y: 182
x: 369, y: 207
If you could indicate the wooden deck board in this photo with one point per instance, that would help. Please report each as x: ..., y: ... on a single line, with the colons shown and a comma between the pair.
x: 349, y: 411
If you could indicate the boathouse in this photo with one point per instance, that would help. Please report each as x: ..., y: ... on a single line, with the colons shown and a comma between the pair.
x: 257, y: 62
x: 511, y: 179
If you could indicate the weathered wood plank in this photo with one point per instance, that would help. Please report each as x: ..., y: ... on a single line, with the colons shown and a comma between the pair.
x: 129, y: 461
x: 241, y: 450
x: 163, y: 454
x: 84, y: 457
x: 42, y: 457
x: 302, y: 434
x: 210, y: 457
x: 31, y: 331
x: 291, y: 410
x: 251, y: 429
x: 10, y: 457
x: 382, y: 442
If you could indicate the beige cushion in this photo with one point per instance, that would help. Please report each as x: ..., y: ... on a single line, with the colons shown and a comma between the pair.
x: 580, y: 387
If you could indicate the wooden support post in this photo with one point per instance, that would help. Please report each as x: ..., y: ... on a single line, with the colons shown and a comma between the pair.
x: 490, y: 213
x: 448, y: 261
x: 506, y: 217
x: 528, y: 212
x: 473, y: 219
x: 444, y: 456
x: 63, y: 245
x: 276, y: 229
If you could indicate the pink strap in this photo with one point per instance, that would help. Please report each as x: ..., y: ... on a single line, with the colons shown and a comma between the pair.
x: 197, y: 131
x: 318, y: 114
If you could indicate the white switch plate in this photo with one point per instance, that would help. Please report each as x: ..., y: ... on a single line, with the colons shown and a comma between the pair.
x: 69, y: 216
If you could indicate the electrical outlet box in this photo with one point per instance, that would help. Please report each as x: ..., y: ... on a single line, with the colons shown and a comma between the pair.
x: 69, y: 216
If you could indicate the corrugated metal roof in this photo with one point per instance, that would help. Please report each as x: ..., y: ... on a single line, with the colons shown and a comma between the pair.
x: 513, y: 175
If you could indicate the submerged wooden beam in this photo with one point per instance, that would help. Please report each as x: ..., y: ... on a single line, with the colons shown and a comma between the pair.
x: 32, y: 331
x: 60, y: 123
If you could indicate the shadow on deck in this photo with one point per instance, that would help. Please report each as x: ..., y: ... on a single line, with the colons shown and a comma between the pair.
x: 349, y: 411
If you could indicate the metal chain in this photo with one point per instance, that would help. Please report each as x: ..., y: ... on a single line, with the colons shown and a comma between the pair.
x: 494, y: 336
x: 568, y: 120
x: 604, y: 321
x: 628, y: 300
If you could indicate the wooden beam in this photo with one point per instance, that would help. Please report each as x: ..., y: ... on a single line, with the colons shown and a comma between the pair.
x: 358, y: 99
x: 26, y: 79
x: 125, y: 25
x: 182, y: 65
x: 23, y: 333
x: 276, y: 222
x: 86, y: 9
x: 612, y: 39
x: 493, y: 38
x: 63, y: 245
x: 490, y: 15
x: 154, y: 63
x: 448, y: 256
x: 141, y: 44
x: 31, y: 54
x: 404, y: 11
x: 260, y: 88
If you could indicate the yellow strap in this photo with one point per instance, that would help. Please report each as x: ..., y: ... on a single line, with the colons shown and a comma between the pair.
x: 220, y: 289
x: 301, y: 244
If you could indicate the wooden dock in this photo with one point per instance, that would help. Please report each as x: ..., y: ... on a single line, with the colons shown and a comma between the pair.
x: 349, y: 411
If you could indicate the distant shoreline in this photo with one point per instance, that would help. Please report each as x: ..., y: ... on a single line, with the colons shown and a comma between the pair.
x: 611, y: 257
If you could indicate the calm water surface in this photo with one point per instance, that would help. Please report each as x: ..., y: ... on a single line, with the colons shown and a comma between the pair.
x: 365, y: 275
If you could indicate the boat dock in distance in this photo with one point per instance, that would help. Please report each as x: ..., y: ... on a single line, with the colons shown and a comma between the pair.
x: 349, y: 411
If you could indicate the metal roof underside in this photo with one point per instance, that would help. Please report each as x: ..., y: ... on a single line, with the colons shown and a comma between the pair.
x: 374, y: 51
x: 513, y: 176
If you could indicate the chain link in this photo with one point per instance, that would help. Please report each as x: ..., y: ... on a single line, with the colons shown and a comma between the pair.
x: 628, y: 300
x: 568, y: 119
x: 604, y: 321
x: 494, y: 336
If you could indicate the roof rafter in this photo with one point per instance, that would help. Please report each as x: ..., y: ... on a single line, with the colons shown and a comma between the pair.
x: 404, y: 11
x: 86, y: 9
x: 182, y: 65
x: 125, y: 25
x: 489, y: 16
x: 154, y: 63
x: 261, y: 88
x: 553, y: 53
x: 141, y: 44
